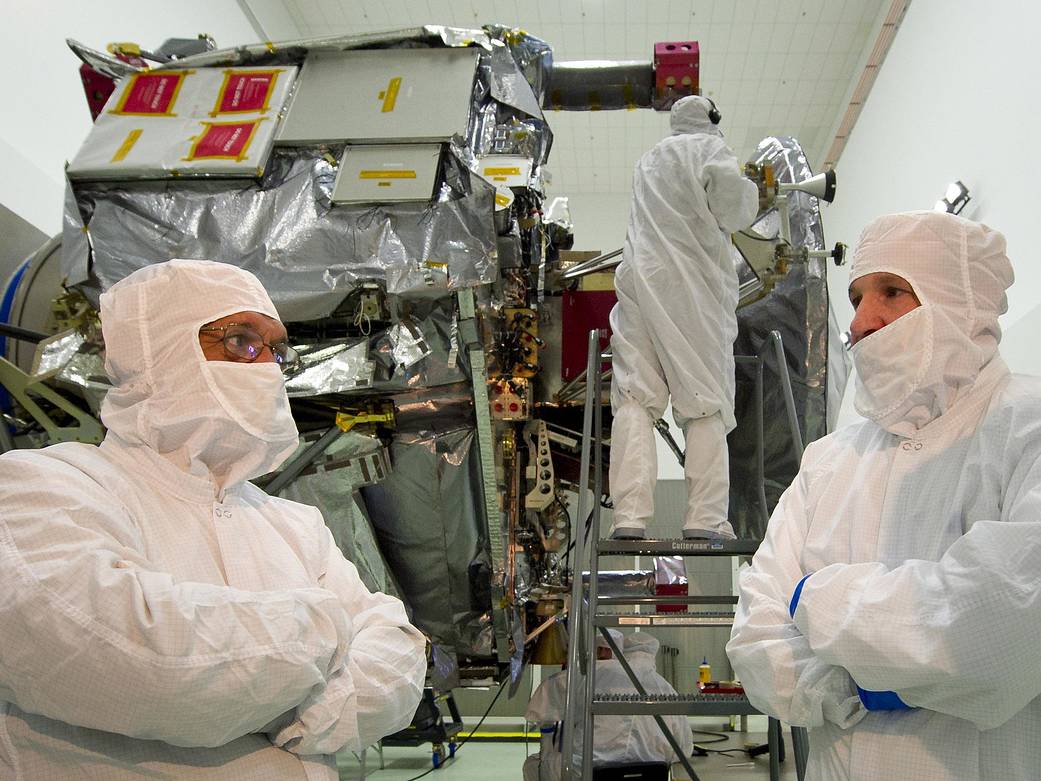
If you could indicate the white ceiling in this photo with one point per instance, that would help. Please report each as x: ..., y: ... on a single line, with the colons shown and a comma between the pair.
x: 775, y: 67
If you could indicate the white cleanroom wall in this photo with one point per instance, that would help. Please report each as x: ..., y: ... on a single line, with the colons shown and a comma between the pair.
x: 954, y: 99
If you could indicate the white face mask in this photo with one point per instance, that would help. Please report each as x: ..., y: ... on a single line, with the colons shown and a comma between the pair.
x: 892, y: 365
x: 253, y: 395
x: 253, y: 430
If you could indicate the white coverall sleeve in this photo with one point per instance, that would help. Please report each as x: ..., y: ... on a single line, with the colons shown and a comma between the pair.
x: 92, y: 634
x: 780, y: 673
x: 378, y: 688
x: 733, y: 199
x: 958, y: 635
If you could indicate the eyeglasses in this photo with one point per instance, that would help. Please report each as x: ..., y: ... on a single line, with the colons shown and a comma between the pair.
x: 243, y: 343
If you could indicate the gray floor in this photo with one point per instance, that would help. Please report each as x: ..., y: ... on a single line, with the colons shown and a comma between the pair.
x: 503, y: 761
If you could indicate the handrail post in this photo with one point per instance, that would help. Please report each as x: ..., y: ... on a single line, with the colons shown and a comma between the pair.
x: 786, y: 388
x: 594, y: 559
x: 577, y: 651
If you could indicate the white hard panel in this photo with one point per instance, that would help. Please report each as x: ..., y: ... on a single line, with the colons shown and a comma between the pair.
x: 405, y: 95
x: 382, y: 173
x: 503, y: 198
x: 506, y: 170
x: 204, y: 121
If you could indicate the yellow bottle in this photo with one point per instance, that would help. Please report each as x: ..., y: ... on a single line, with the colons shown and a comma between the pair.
x: 704, y: 671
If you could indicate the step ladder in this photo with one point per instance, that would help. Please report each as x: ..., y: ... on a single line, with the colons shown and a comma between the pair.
x: 586, y: 619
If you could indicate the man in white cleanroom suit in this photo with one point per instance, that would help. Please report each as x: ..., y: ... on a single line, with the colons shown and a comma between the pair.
x: 893, y: 606
x: 674, y: 324
x: 616, y: 739
x: 160, y: 617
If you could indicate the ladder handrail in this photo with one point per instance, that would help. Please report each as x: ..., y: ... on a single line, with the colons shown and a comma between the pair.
x: 593, y: 265
x: 588, y: 629
x: 576, y: 635
x: 786, y: 388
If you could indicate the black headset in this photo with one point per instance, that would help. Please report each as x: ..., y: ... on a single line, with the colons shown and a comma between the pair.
x: 713, y: 115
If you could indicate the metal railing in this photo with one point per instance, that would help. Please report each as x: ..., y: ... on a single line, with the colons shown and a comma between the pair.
x: 581, y: 646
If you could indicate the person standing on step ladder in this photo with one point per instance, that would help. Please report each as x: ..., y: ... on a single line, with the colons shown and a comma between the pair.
x: 674, y: 324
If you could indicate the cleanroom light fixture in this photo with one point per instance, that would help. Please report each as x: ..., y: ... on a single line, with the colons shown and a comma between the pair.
x: 955, y: 199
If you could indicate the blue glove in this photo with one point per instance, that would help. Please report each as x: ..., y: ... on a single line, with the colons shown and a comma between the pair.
x: 794, y: 603
x: 882, y: 700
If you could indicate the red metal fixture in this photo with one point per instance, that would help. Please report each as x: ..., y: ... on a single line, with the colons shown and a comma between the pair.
x: 676, y: 70
x: 99, y: 87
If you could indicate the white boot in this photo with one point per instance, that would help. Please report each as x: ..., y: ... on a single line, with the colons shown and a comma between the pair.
x: 706, y: 470
x: 633, y: 472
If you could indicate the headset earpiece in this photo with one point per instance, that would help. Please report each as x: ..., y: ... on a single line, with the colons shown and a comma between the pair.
x: 713, y: 115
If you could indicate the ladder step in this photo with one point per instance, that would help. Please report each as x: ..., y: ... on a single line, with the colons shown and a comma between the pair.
x: 677, y: 547
x: 699, y: 618
x: 673, y: 705
x: 667, y: 599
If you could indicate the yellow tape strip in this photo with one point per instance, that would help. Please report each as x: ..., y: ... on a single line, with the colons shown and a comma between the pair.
x: 133, y: 49
x: 515, y: 171
x: 345, y: 421
x: 390, y: 95
x: 506, y: 735
x: 127, y: 145
x: 403, y: 174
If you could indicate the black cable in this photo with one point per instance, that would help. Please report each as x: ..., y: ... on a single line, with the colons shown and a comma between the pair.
x: 720, y: 737
x: 728, y: 752
x: 589, y: 524
x: 699, y: 746
x: 24, y: 334
x: 474, y: 730
x: 495, y: 699
x: 563, y: 507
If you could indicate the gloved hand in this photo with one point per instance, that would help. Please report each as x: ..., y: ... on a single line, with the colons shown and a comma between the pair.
x: 872, y: 700
x: 882, y: 700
